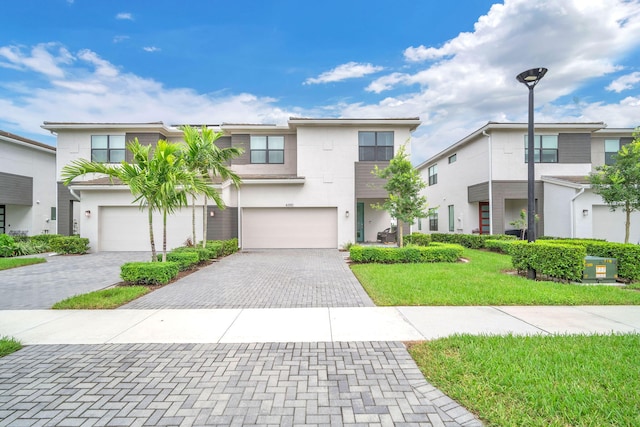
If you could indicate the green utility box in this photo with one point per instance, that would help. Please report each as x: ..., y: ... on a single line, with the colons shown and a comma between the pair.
x: 600, y: 270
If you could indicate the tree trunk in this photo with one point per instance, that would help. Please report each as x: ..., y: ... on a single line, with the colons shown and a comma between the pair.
x: 151, y: 239
x: 193, y: 220
x: 164, y: 235
x: 627, y: 225
x: 204, y: 223
x: 400, y: 236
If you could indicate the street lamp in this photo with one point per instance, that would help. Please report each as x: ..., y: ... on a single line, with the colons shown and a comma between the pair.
x: 530, y: 78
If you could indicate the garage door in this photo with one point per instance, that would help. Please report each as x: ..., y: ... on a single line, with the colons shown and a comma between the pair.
x: 126, y: 228
x: 289, y: 228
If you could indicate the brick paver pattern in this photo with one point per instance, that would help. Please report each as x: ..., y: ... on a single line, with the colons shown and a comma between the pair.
x: 265, y: 279
x: 366, y: 383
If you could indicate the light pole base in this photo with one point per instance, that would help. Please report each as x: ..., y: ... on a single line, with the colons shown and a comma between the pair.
x: 531, y: 274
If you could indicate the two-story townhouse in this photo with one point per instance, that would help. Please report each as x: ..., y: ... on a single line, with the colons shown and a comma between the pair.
x: 479, y: 184
x: 307, y: 184
x: 27, y: 186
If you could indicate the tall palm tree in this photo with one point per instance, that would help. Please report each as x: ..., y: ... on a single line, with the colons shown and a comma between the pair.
x: 206, y: 159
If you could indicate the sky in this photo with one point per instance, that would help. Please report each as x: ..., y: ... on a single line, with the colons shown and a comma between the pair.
x: 453, y: 64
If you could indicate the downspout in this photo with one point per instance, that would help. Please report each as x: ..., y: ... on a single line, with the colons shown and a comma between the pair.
x: 239, y: 220
x: 573, y: 213
x: 73, y: 193
x: 484, y: 132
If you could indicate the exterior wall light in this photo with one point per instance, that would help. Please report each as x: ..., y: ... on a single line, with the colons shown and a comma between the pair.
x: 585, y: 212
x: 346, y: 214
x: 87, y: 213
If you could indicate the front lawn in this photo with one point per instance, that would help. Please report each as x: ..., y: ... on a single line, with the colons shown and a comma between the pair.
x: 104, y: 299
x: 8, y: 346
x: 538, y: 380
x: 7, y: 263
x: 481, y: 281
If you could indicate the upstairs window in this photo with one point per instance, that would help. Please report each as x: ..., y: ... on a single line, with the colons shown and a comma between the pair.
x: 433, y: 175
x: 611, y: 148
x: 545, y: 149
x: 107, y: 148
x: 453, y: 158
x: 375, y: 146
x: 267, y: 149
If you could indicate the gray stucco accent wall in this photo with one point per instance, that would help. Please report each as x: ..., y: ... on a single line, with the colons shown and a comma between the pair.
x: 478, y: 193
x: 368, y: 186
x: 16, y: 189
x: 223, y: 224
x: 143, y: 139
x: 64, y: 211
x: 574, y: 148
x: 505, y: 190
x: 242, y: 141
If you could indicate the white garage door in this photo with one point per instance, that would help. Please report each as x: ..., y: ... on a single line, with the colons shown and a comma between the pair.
x: 289, y: 228
x: 126, y: 228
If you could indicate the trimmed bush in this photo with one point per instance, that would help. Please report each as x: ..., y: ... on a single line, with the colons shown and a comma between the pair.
x: 184, y: 259
x: 69, y: 245
x: 471, y: 241
x: 560, y: 261
x: 409, y: 254
x: 7, y: 245
x: 229, y: 247
x: 501, y: 246
x: 215, y: 248
x: 418, y: 239
x: 204, y: 254
x: 149, y: 273
x: 44, y: 239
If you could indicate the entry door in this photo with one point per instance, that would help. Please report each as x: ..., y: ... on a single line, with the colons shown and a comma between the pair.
x: 360, y: 223
x: 2, y: 217
x: 484, y: 218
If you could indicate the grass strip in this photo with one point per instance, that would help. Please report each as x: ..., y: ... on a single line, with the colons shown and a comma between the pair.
x: 573, y: 380
x: 104, y: 299
x: 7, y: 263
x: 481, y: 281
x: 8, y: 346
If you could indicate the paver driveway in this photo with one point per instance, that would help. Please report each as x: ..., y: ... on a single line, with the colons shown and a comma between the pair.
x: 265, y: 279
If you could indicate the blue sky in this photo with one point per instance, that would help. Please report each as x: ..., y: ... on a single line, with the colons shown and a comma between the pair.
x: 453, y: 64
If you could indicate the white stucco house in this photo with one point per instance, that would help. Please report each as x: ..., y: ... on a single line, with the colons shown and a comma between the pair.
x: 306, y: 184
x: 479, y: 184
x: 27, y: 186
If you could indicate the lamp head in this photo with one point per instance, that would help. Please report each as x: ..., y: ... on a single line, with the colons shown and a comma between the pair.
x: 531, y: 77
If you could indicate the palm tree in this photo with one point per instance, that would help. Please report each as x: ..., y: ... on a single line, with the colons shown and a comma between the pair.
x: 207, y: 160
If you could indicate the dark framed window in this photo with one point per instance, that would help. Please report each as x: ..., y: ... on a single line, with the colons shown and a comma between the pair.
x: 453, y: 158
x: 267, y: 149
x: 611, y: 148
x: 433, y: 221
x: 545, y: 149
x: 107, y: 148
x: 375, y: 146
x: 452, y: 219
x: 53, y: 213
x: 433, y: 175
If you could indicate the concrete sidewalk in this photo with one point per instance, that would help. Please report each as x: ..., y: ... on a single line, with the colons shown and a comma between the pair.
x: 334, y: 324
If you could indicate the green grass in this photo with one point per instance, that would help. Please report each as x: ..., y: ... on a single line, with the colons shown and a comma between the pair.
x: 481, y: 281
x: 8, y: 346
x: 7, y: 263
x: 538, y: 380
x: 104, y: 299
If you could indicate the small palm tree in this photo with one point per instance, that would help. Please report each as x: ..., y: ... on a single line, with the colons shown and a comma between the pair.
x: 204, y: 158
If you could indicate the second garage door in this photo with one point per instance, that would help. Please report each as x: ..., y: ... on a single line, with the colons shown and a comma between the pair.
x: 289, y: 228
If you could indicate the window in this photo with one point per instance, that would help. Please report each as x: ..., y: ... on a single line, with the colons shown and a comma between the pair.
x: 375, y: 146
x: 433, y: 221
x: 53, y: 213
x: 419, y: 224
x: 452, y: 219
x: 545, y: 149
x: 267, y: 149
x: 453, y: 158
x: 433, y: 175
x: 611, y: 148
x: 107, y: 148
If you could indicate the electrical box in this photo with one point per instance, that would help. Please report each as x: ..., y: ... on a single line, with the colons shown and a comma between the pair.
x: 600, y: 270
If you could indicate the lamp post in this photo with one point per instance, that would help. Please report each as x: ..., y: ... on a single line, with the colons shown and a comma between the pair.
x: 530, y: 78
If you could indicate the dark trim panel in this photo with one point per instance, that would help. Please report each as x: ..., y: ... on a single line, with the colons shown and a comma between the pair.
x: 16, y: 189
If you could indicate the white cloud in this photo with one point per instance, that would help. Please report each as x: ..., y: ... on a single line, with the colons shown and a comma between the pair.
x: 124, y: 16
x: 350, y: 70
x: 151, y: 49
x: 625, y: 82
x: 40, y: 60
x: 120, y: 39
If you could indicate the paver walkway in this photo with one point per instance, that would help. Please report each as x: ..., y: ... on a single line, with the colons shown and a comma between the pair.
x: 274, y: 278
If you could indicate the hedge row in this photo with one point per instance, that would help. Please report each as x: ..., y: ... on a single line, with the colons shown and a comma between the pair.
x: 434, y: 252
x: 471, y: 241
x: 178, y: 259
x: 11, y: 246
x: 561, y: 261
x: 69, y: 245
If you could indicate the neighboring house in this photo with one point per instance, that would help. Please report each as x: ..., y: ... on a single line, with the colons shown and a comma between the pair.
x: 304, y: 185
x: 27, y: 186
x: 479, y: 184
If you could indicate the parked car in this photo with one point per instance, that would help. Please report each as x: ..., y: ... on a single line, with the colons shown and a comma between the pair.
x: 387, y: 236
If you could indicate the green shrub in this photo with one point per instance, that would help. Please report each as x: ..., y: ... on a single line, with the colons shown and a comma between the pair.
x: 409, y: 254
x: 149, y: 273
x: 471, y: 241
x: 557, y: 260
x: 7, y: 245
x: 69, y: 245
x: 418, y: 239
x: 28, y: 248
x: 498, y: 245
x: 204, y: 254
x: 184, y: 259
x: 44, y: 239
x: 229, y: 246
x: 215, y: 249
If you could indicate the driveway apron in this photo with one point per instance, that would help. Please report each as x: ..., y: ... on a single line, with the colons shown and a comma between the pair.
x: 265, y: 279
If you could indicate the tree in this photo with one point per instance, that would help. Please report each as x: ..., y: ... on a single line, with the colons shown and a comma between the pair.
x: 619, y: 184
x: 206, y: 159
x: 522, y: 223
x: 403, y: 185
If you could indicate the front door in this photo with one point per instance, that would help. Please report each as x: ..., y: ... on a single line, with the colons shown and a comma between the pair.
x: 360, y: 223
x: 484, y: 218
x: 2, y: 217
